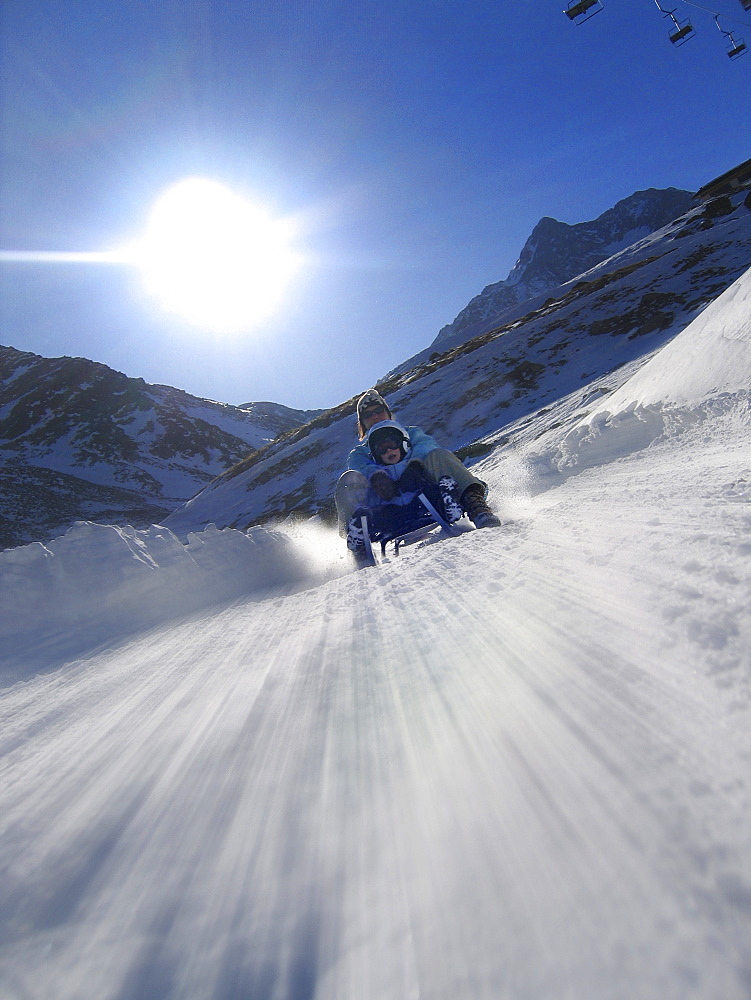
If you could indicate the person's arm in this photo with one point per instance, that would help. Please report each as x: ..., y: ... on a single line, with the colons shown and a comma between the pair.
x: 382, y: 480
x: 360, y: 459
x: 421, y: 443
x: 383, y: 485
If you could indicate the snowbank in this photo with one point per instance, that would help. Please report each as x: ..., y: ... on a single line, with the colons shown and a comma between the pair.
x: 99, y: 579
x: 709, y: 359
x: 704, y: 372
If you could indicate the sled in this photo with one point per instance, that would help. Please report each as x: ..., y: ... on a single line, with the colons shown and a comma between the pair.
x: 412, y: 531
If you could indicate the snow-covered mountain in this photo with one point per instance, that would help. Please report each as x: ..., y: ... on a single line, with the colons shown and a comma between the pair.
x: 587, y: 336
x: 512, y: 765
x: 557, y: 251
x: 79, y: 440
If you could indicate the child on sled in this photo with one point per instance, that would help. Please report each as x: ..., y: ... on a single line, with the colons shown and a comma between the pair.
x: 396, y: 480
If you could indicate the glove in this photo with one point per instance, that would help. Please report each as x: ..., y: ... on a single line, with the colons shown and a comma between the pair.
x: 383, y: 486
x: 414, y: 478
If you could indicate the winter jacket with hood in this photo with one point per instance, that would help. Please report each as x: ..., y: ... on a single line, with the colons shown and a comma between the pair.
x: 418, y: 445
x: 361, y: 460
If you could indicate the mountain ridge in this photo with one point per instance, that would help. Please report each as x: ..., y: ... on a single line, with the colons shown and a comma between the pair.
x: 81, y: 437
x: 557, y: 251
x: 119, y: 450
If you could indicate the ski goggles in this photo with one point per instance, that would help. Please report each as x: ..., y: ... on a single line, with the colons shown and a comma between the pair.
x: 390, y: 444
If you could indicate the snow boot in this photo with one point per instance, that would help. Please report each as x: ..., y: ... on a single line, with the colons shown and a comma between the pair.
x: 450, y: 498
x: 476, y: 509
x: 356, y: 541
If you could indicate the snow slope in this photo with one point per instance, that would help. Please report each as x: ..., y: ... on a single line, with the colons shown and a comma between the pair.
x: 512, y: 765
x: 705, y: 372
x: 99, y: 581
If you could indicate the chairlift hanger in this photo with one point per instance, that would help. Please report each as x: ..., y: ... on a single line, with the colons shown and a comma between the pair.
x: 681, y: 31
x: 734, y: 48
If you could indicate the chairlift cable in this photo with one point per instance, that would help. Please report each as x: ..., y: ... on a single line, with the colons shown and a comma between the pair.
x: 725, y: 17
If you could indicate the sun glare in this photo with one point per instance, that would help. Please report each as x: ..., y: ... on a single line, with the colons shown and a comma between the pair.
x: 214, y: 258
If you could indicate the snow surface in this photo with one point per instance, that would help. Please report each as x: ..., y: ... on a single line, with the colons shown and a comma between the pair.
x: 513, y: 764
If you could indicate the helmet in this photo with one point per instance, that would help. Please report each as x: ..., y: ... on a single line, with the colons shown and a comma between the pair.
x: 385, y: 432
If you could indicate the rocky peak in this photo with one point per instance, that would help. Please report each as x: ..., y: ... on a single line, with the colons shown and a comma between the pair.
x: 556, y: 252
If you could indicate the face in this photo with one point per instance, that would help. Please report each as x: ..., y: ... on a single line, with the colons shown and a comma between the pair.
x: 373, y: 414
x: 391, y: 455
x: 388, y: 451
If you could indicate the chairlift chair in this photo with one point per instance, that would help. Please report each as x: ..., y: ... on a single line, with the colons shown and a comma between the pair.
x: 734, y: 48
x: 681, y: 31
x: 580, y: 11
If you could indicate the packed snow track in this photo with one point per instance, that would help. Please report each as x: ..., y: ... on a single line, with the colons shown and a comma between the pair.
x: 510, y: 764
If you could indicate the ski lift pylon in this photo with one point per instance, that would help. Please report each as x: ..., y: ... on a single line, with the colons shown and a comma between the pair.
x: 681, y: 31
x: 580, y: 11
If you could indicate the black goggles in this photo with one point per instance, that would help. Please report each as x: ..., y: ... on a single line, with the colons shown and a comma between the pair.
x: 369, y: 411
x: 381, y: 447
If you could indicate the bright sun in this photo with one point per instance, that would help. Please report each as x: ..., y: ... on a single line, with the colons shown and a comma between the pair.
x: 213, y: 258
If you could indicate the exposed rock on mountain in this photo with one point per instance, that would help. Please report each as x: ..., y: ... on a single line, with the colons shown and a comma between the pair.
x: 78, y: 439
x: 556, y: 252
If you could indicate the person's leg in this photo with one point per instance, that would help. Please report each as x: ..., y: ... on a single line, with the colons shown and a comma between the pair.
x: 475, y: 506
x: 443, y: 464
x: 351, y: 492
x: 381, y: 519
x: 362, y: 519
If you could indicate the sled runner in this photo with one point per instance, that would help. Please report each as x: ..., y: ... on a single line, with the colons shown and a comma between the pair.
x: 412, y: 529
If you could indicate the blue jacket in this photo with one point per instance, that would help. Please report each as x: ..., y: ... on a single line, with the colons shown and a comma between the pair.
x: 361, y: 460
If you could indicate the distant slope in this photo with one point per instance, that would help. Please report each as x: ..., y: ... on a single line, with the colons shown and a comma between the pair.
x: 612, y: 317
x: 79, y: 440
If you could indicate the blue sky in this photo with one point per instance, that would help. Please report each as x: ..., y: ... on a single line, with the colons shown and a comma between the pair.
x: 415, y: 144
